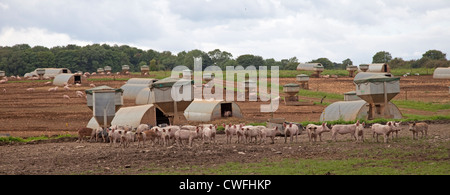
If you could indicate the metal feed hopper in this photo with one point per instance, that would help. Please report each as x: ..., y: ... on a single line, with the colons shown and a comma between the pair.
x: 377, y: 89
x: 104, y: 101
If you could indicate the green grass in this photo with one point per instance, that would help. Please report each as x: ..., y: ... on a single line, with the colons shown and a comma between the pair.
x: 29, y: 139
x: 426, y: 106
x: 291, y: 166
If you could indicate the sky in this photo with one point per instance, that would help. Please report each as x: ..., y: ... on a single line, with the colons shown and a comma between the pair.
x: 279, y: 29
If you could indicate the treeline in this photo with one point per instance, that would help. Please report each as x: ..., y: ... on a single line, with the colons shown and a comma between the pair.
x: 22, y: 58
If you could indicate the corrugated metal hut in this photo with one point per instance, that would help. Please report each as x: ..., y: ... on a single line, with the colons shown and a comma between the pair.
x: 353, y: 110
x: 133, y: 86
x: 60, y: 79
x: 49, y: 72
x: 136, y: 115
x: 441, y: 73
x: 379, y: 68
x: 309, y: 66
x: 210, y: 110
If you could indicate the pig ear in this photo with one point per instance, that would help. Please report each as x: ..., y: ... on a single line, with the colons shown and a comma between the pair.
x: 210, y: 126
x: 389, y: 123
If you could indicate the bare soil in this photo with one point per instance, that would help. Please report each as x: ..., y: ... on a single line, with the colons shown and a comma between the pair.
x: 26, y: 114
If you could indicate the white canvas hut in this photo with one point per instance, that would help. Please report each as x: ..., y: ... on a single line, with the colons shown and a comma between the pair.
x: 61, y: 79
x: 133, y: 86
x: 353, y: 110
x: 379, y: 68
x: 441, y: 73
x: 136, y: 115
x: 49, y: 72
x: 201, y: 110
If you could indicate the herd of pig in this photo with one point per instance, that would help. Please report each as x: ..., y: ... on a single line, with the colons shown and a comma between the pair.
x: 124, y: 136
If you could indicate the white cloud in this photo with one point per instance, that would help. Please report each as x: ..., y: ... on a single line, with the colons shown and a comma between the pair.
x: 4, y: 6
x: 307, y: 29
x: 36, y: 36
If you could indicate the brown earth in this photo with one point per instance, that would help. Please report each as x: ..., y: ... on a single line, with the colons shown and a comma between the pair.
x: 68, y: 157
x: 41, y: 112
x: 26, y: 114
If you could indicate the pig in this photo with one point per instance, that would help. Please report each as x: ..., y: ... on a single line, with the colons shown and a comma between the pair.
x: 170, y: 131
x: 154, y: 134
x: 312, y: 133
x: 114, y: 135
x: 252, y: 132
x: 208, y: 134
x: 396, y: 129
x: 345, y: 129
x: 142, y: 128
x: 230, y: 130
x: 83, y: 132
x: 384, y: 130
x: 266, y: 132
x: 99, y: 132
x: 318, y: 131
x: 186, y: 135
x: 359, y: 133
x: 291, y: 130
x: 212, y: 132
x: 415, y: 128
x: 141, y: 137
x: 240, y: 133
x: 227, y: 114
x: 126, y: 137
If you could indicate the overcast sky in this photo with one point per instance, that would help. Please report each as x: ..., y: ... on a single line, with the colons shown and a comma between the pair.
x: 280, y: 29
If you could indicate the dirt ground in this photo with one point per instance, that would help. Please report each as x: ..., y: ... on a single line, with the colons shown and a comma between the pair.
x: 65, y: 156
x: 25, y: 114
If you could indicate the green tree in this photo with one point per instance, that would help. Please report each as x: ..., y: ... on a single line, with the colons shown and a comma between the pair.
x: 249, y: 60
x: 153, y: 66
x: 382, y: 57
x: 434, y: 55
x: 327, y: 64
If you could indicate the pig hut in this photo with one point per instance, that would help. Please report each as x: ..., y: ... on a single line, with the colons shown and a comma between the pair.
x: 317, y: 68
x: 379, y: 68
x: 203, y: 110
x: 135, y: 85
x: 160, y: 94
x: 62, y: 79
x: 136, y: 115
x: 442, y: 73
x: 353, y: 110
x: 375, y: 90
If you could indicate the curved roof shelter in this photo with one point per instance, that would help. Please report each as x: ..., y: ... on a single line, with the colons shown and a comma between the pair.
x: 379, y: 68
x: 353, y: 110
x: 135, y: 115
x: 61, y: 79
x: 200, y: 110
x: 441, y: 73
x: 309, y: 66
x: 50, y: 72
x: 133, y: 86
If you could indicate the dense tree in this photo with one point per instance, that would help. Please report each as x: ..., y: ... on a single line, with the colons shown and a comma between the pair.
x: 250, y: 60
x: 327, y: 64
x: 434, y: 55
x: 382, y: 57
x: 20, y: 59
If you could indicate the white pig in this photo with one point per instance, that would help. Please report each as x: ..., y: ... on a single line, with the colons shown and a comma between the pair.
x: 345, y: 129
x: 186, y: 135
x: 291, y: 130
